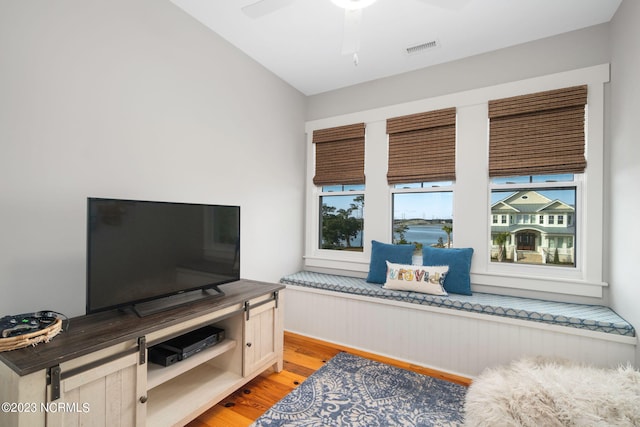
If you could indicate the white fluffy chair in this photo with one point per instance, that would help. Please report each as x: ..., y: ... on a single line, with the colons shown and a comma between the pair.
x: 543, y: 392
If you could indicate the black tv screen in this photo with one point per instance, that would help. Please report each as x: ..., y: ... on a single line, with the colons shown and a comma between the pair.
x: 139, y: 251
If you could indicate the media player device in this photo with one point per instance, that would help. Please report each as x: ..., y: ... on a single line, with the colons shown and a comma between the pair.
x: 162, y: 356
x: 193, y: 342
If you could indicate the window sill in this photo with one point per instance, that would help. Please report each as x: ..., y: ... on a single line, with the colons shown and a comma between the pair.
x: 354, y: 265
x: 540, y: 284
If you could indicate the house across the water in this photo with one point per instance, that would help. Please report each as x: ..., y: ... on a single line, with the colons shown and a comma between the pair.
x: 534, y: 228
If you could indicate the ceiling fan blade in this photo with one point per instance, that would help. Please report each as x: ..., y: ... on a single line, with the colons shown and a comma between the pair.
x: 264, y: 7
x: 448, y: 4
x: 351, y: 32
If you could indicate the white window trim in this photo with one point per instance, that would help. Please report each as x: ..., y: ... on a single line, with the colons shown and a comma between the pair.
x: 471, y: 186
x: 316, y: 257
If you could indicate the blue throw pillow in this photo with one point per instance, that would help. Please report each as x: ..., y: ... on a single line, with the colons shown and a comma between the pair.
x: 458, y: 280
x: 383, y: 252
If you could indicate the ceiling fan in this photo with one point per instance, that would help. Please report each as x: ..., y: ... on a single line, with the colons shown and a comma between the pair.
x: 352, y: 16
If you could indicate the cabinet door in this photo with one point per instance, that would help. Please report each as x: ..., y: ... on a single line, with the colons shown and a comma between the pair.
x: 107, y: 394
x: 263, y: 338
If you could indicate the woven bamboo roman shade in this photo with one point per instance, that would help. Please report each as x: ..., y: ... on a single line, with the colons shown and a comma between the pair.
x: 540, y: 133
x: 422, y: 147
x: 339, y: 155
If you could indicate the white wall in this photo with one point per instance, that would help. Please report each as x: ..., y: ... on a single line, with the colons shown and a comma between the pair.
x: 624, y: 164
x: 565, y: 52
x: 134, y: 99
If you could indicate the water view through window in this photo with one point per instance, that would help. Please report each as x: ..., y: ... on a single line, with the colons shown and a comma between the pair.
x: 424, y: 219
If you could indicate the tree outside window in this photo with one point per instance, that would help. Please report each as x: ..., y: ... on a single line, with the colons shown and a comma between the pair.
x: 342, y: 222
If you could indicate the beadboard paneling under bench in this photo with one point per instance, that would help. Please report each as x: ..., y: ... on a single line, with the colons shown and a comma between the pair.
x: 457, y: 341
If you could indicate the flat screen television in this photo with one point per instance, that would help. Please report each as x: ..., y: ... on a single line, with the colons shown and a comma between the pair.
x: 154, y: 255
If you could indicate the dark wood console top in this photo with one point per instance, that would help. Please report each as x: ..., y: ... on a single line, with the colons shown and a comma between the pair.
x: 94, y: 332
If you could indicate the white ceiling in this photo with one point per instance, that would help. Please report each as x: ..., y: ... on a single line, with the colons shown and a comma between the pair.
x: 301, y: 42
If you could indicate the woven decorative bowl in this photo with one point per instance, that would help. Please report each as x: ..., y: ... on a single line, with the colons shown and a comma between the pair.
x: 32, y: 338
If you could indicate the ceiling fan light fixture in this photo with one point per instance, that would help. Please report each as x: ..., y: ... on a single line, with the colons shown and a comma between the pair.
x: 353, y: 4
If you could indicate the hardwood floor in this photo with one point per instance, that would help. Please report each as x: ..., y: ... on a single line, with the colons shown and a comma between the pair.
x: 302, y: 357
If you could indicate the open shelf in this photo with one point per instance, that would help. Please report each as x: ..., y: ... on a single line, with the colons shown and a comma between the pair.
x: 158, y: 374
x: 177, y: 400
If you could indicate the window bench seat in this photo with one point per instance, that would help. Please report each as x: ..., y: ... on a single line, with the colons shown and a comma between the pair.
x: 582, y: 316
x: 459, y: 334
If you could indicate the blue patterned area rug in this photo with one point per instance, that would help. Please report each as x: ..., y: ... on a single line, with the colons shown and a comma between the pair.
x: 352, y: 391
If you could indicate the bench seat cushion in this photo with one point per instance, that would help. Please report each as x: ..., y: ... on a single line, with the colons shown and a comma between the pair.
x: 582, y: 316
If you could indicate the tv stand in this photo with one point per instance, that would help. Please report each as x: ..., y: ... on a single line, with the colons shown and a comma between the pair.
x: 98, y: 370
x: 172, y: 301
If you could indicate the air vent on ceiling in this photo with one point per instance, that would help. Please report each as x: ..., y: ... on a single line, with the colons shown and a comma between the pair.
x: 419, y: 48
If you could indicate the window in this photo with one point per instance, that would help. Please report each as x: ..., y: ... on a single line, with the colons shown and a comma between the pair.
x: 395, y: 177
x: 536, y: 145
x: 550, y: 196
x: 339, y: 170
x: 423, y: 214
x: 342, y: 217
x: 422, y: 191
